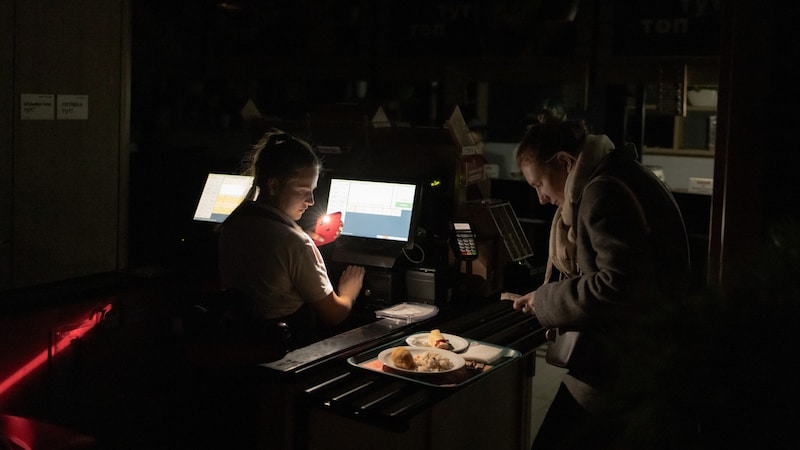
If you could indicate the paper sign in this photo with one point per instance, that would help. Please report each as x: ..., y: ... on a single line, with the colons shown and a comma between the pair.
x: 701, y: 185
x: 73, y: 107
x: 36, y: 107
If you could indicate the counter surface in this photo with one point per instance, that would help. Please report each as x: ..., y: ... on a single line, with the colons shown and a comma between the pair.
x: 323, y: 378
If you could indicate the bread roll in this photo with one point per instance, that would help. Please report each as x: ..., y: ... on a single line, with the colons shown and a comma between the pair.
x: 403, y: 359
x: 436, y: 339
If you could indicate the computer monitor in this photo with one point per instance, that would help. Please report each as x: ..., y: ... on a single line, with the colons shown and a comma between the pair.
x: 376, y: 212
x: 222, y: 193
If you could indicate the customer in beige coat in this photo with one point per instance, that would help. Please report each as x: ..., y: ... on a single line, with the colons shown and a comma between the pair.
x: 619, y: 245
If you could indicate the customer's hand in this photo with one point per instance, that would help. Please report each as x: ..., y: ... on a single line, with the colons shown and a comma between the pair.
x: 525, y: 303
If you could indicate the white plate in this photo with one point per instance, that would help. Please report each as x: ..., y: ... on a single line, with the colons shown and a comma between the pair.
x: 421, y: 340
x: 458, y: 362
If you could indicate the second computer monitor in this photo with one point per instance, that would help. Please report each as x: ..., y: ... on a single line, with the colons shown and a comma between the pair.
x: 376, y: 211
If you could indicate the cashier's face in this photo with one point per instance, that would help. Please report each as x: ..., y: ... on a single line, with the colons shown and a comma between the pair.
x: 295, y: 194
x: 548, y: 178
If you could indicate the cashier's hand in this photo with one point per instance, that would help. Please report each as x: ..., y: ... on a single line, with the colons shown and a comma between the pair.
x: 351, y: 281
x: 525, y: 303
x: 319, y: 240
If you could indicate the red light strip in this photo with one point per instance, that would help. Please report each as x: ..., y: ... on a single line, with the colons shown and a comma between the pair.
x: 63, y: 341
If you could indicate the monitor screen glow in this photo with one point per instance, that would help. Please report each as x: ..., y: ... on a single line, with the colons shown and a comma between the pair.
x: 222, y: 193
x: 377, y: 210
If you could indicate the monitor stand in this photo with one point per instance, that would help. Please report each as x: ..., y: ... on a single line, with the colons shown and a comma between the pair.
x: 367, y: 255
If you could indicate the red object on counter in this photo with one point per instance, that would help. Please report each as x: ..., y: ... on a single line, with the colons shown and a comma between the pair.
x: 22, y: 433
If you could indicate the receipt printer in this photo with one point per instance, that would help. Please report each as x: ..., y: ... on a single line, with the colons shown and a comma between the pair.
x: 426, y: 285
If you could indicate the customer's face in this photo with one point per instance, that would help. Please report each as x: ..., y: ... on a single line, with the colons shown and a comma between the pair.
x: 548, y: 179
x: 295, y: 195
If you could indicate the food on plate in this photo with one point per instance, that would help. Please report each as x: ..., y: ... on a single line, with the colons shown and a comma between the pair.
x: 414, y: 359
x: 437, y: 339
x: 403, y: 359
x: 432, y: 362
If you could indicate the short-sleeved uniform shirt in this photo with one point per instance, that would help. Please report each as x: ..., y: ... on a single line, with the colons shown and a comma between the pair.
x: 267, y: 256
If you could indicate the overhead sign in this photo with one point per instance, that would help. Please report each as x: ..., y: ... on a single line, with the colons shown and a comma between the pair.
x: 667, y: 28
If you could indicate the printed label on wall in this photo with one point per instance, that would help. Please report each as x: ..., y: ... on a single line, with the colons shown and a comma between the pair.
x: 36, y: 107
x: 73, y: 107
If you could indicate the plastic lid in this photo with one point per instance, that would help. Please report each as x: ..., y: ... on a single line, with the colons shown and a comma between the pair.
x: 409, y: 311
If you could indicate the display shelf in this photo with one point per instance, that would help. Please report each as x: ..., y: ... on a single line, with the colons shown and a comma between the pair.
x: 678, y: 151
x: 690, y: 133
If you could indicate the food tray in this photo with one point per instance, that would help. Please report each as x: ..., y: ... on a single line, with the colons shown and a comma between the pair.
x: 472, y: 370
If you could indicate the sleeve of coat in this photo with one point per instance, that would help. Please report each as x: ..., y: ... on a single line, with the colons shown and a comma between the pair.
x: 612, y: 257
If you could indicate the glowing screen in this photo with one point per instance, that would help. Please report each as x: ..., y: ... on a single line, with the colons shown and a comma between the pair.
x: 373, y: 209
x: 221, y: 195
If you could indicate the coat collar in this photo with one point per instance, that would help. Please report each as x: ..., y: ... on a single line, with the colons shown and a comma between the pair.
x: 592, y: 153
x: 562, y: 246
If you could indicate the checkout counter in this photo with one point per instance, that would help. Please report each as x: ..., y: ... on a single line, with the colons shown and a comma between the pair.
x: 336, y: 393
x: 333, y: 394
